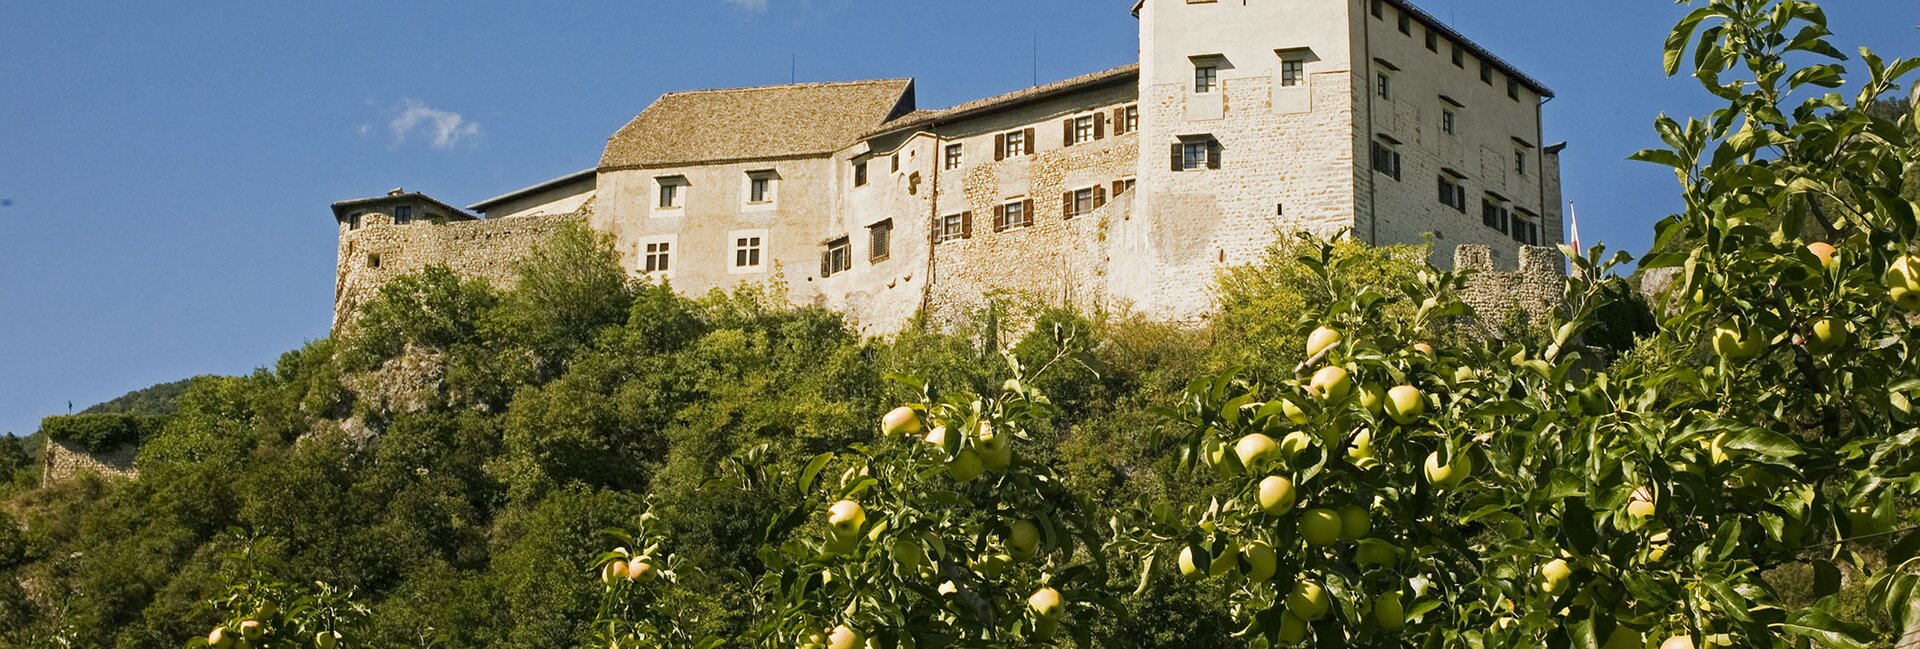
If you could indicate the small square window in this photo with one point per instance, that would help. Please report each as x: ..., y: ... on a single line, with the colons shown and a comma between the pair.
x: 658, y: 258
x: 1383, y: 84
x: 1433, y: 41
x: 673, y: 194
x: 1453, y: 194
x: 1130, y: 119
x: 1082, y: 202
x: 1486, y: 73
x: 1386, y: 160
x: 1083, y: 129
x: 860, y: 173
x: 762, y: 187
x: 353, y: 221
x: 402, y: 214
x: 373, y: 261
x: 1205, y: 78
x: 1495, y: 216
x: 952, y: 227
x: 1459, y: 56
x: 880, y: 240
x: 1016, y: 144
x: 1406, y: 24
x: 955, y: 156
x: 1012, y: 215
x: 1194, y: 154
x: 1292, y: 72
x: 1449, y: 122
x: 746, y: 252
x: 1513, y: 88
x: 1520, y: 161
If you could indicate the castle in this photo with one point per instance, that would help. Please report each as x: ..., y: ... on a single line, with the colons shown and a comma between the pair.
x: 1128, y: 187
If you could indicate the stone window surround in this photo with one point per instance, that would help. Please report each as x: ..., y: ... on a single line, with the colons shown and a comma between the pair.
x: 1206, y: 74
x: 1013, y: 213
x: 658, y: 248
x: 758, y: 245
x: 670, y: 195
x: 1450, y: 115
x: 772, y: 198
x: 880, y: 241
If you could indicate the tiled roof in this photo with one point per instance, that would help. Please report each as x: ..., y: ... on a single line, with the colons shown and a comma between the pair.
x: 707, y: 126
x: 1122, y: 74
x: 586, y: 176
x: 341, y: 208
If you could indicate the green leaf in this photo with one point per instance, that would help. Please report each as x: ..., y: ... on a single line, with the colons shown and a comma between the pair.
x: 812, y: 471
x: 1764, y: 442
x: 1677, y: 40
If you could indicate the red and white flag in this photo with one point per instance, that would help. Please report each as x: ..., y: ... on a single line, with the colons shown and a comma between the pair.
x: 1573, y: 213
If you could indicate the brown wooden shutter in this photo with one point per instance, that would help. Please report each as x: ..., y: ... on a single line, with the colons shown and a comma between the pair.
x: 1099, y: 197
x: 1030, y: 141
x: 1066, y: 203
x: 896, y: 163
x: 1119, y: 187
x: 826, y: 264
x: 1179, y: 161
x: 966, y: 225
x: 1066, y: 132
x: 999, y: 218
x: 1026, y: 212
x: 1000, y: 147
x: 1213, y: 154
x: 937, y: 222
x: 1099, y: 126
x: 1120, y: 121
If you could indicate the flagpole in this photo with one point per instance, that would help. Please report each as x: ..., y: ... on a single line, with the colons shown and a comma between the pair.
x: 1573, y: 214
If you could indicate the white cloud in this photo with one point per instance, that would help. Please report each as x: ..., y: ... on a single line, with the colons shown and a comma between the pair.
x: 754, y: 6
x: 442, y: 128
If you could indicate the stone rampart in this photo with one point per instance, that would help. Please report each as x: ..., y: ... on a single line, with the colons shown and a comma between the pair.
x: 379, y: 251
x: 1534, y: 288
x: 63, y: 460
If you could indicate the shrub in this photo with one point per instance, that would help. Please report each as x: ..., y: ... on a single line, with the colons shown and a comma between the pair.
x: 102, y: 433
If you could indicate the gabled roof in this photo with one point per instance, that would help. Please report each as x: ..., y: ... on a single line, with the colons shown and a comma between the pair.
x: 1119, y: 75
x: 342, y: 208
x: 712, y: 126
x: 578, y: 176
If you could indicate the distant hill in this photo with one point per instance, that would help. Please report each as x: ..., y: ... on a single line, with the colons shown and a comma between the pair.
x: 162, y: 399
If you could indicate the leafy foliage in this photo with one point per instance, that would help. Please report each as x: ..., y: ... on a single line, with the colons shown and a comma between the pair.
x: 99, y: 433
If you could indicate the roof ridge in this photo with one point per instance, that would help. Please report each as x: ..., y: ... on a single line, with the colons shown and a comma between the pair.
x: 783, y: 86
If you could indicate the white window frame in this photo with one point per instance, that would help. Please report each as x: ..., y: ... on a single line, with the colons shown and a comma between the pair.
x: 954, y: 156
x: 1131, y: 117
x: 1083, y: 129
x: 836, y: 269
x: 1014, y: 144
x: 952, y: 226
x: 1082, y: 207
x: 645, y: 251
x: 1187, y: 160
x: 772, y: 198
x: 734, y: 247
x: 1383, y: 85
x: 678, y: 185
x: 1206, y: 77
x: 1293, y: 72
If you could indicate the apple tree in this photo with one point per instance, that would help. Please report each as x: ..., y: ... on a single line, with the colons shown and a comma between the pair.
x: 1416, y: 483
x: 265, y: 611
x: 639, y: 608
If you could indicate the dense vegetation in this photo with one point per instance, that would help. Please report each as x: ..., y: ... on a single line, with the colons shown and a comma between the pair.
x: 1739, y: 471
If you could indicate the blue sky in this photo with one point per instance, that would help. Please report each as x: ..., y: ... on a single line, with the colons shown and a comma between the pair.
x: 165, y: 168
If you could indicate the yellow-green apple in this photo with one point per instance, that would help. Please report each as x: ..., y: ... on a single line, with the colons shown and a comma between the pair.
x: 1355, y: 523
x: 1373, y: 398
x: 614, y: 571
x: 1625, y: 638
x: 1293, y: 630
x: 1294, y: 413
x: 1445, y: 475
x: 937, y: 436
x: 843, y: 637
x: 900, y: 422
x: 1825, y: 253
x: 219, y: 638
x: 965, y: 466
x: 996, y: 447
x: 1678, y: 642
x: 641, y: 570
x: 1389, y: 611
x: 1194, y: 563
x: 1226, y: 564
x: 1640, y: 505
x: 1736, y: 344
x: 1023, y: 540
x: 326, y: 639
x: 1261, y: 561
x: 1320, y: 527
x: 1308, y: 601
x: 1405, y: 404
x: 1321, y: 340
x: 909, y: 554
x: 1375, y: 552
x: 1827, y: 335
x: 1331, y: 384
x: 1221, y: 456
x: 1257, y: 452
x: 1046, y: 604
x: 251, y: 630
x: 846, y: 518
x: 1276, y: 495
x: 1554, y: 576
x: 1294, y: 443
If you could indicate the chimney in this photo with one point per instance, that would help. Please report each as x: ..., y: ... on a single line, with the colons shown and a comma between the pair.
x: 397, y: 191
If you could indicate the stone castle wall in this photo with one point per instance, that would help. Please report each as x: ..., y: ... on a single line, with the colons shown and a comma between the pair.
x: 379, y: 251
x: 63, y: 460
x: 1534, y: 287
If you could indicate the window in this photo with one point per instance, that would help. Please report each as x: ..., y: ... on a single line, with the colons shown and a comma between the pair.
x: 1520, y: 161
x: 402, y: 214
x: 673, y: 194
x: 1433, y: 41
x: 1459, y: 56
x: 1082, y: 201
x: 762, y: 187
x: 1494, y: 215
x: 860, y: 173
x: 1513, y: 88
x: 1013, y: 145
x: 746, y: 251
x: 1205, y: 77
x: 1292, y: 71
x: 1383, y: 84
x: 1080, y: 130
x: 1122, y: 186
x: 1386, y: 160
x: 1377, y: 11
x: 838, y: 257
x: 1452, y: 194
x: 1449, y: 122
x: 955, y: 155
x: 895, y: 158
x: 880, y: 241
x: 953, y: 226
x: 353, y: 221
x: 1486, y: 73
x: 1017, y: 214
x: 1130, y: 119
x: 373, y: 261
x: 1406, y: 23
x: 1196, y: 153
x: 1524, y: 230
x: 658, y: 258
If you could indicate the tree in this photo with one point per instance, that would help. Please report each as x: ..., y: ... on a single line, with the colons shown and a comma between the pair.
x: 1481, y: 495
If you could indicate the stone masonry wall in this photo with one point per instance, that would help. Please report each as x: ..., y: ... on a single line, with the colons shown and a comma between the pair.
x: 1060, y: 260
x: 380, y: 251
x: 1534, y: 287
x: 63, y: 460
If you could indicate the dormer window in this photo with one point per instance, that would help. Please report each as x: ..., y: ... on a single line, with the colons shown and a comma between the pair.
x: 672, y: 192
x: 762, y: 187
x: 402, y: 214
